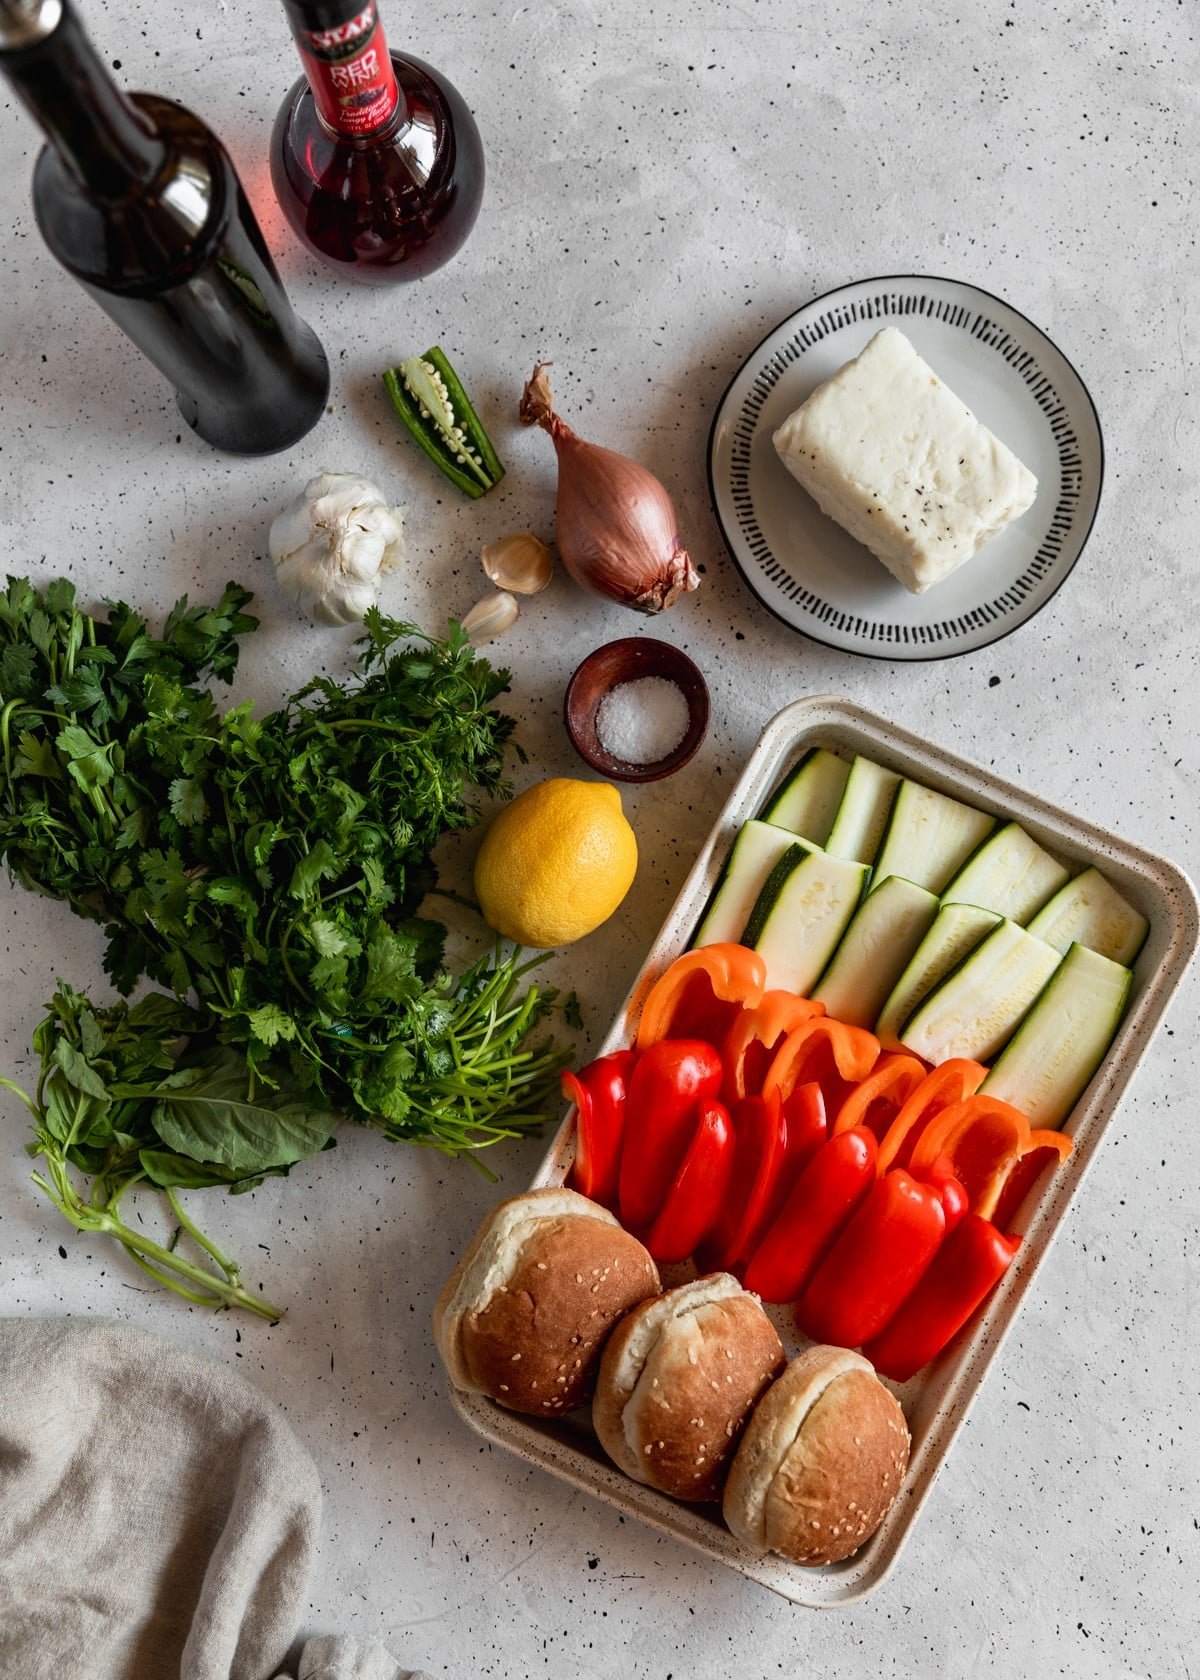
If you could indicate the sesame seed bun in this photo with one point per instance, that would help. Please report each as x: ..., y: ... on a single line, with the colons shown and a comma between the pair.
x: 821, y: 1460
x: 678, y: 1378
x: 525, y: 1314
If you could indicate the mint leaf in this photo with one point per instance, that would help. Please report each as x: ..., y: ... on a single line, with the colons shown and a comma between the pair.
x: 79, y: 1073
x: 206, y: 1113
x: 168, y: 1170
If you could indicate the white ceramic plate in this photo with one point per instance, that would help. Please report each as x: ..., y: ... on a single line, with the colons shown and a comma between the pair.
x: 806, y: 570
x: 937, y: 1400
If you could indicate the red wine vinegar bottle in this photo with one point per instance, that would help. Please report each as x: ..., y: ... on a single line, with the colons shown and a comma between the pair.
x: 140, y: 202
x: 376, y: 159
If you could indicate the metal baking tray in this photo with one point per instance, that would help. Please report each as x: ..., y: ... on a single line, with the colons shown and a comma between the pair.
x: 936, y: 1402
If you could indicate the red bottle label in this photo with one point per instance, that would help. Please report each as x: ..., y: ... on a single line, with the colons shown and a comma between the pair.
x: 350, y: 73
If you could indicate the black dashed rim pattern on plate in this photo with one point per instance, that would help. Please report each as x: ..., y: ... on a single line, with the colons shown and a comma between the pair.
x: 897, y: 298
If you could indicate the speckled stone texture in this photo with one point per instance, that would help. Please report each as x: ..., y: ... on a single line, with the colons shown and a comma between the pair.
x: 666, y: 183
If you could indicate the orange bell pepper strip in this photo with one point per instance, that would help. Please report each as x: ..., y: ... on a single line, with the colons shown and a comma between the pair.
x: 831, y: 1053
x: 947, y: 1084
x: 1043, y: 1150
x: 701, y: 993
x: 877, y: 1101
x: 754, y: 1038
x: 980, y: 1138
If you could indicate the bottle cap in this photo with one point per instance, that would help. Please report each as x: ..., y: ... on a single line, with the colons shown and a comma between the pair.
x: 25, y: 23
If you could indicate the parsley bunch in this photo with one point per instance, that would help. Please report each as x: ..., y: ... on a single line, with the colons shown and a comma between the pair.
x: 268, y: 869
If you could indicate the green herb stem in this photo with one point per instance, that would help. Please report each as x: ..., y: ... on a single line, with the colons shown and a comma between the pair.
x: 195, y: 1282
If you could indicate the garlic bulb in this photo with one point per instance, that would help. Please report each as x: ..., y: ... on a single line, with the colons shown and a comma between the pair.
x: 491, y: 617
x: 520, y: 562
x: 331, y: 544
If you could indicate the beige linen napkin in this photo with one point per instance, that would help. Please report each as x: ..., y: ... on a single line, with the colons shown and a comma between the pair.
x: 157, y: 1517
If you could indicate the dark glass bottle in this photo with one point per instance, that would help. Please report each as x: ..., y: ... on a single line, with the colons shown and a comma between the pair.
x: 376, y: 159
x: 140, y: 202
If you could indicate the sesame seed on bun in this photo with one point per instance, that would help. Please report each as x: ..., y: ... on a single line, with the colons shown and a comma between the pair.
x: 820, y: 1462
x: 527, y: 1310
x: 678, y: 1378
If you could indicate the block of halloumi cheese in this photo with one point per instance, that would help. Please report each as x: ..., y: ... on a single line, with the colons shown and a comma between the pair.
x: 888, y: 450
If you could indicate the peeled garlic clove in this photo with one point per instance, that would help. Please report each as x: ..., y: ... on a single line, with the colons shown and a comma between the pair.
x: 520, y: 562
x: 491, y: 617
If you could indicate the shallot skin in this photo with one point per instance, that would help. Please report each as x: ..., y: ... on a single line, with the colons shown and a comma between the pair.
x: 615, y: 525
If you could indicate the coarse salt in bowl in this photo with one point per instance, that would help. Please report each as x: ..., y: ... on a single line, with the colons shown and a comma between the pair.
x: 636, y: 709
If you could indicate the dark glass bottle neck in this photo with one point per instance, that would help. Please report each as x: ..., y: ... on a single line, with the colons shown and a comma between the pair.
x: 346, y: 60
x: 101, y: 137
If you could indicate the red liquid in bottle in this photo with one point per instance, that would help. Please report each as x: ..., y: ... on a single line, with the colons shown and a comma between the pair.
x: 376, y: 160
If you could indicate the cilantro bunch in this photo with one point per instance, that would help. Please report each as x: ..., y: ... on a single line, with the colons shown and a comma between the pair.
x: 266, y: 873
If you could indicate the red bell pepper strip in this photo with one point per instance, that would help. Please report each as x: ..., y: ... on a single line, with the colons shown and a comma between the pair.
x: 701, y: 993
x: 807, y: 1128
x: 598, y: 1092
x: 982, y: 1137
x: 949, y: 1083
x: 668, y: 1083
x: 698, y: 1189
x: 754, y: 1037
x: 876, y: 1262
x: 969, y: 1264
x: 1043, y: 1149
x: 877, y: 1101
x: 833, y: 1184
x: 760, y: 1142
x: 955, y: 1201
x: 837, y: 1056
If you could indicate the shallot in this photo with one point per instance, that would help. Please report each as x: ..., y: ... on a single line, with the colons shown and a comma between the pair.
x: 614, y: 523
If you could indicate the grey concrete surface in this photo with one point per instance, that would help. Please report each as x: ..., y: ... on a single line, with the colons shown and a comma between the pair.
x: 668, y: 181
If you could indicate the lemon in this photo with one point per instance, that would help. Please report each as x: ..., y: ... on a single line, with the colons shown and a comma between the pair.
x: 556, y: 862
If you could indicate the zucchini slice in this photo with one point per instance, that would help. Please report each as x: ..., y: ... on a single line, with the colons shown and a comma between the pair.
x: 875, y: 949
x: 755, y: 852
x: 1053, y: 1054
x: 863, y: 813
x: 1010, y: 874
x: 1090, y: 911
x: 929, y: 837
x: 808, y: 800
x: 801, y: 914
x: 976, y: 1009
x: 955, y: 933
x: 429, y: 398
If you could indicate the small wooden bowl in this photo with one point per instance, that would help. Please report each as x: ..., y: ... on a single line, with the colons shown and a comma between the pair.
x: 621, y: 662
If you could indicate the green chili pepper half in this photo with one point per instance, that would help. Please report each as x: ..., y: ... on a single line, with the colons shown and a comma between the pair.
x: 428, y: 396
